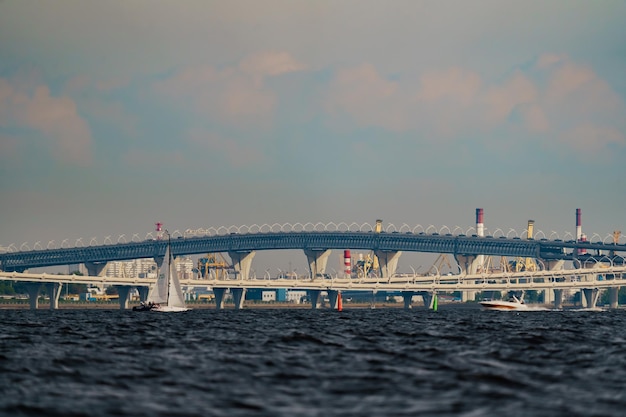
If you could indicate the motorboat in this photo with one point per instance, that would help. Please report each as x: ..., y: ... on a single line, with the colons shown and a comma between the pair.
x: 513, y: 303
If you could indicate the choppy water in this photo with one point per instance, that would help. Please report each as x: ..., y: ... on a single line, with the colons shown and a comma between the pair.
x: 387, y: 362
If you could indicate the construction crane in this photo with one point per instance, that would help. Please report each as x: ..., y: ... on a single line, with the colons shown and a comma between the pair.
x: 213, y: 263
x: 524, y: 264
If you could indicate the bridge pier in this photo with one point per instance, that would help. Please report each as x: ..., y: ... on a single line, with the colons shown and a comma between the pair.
x: 143, y: 292
x: 613, y: 297
x: 242, y: 261
x: 558, y: 299
x: 314, y: 295
x: 555, y: 296
x: 219, y: 297
x: 590, y: 296
x: 428, y: 298
x: 95, y: 269
x: 317, y: 261
x: 407, y: 298
x: 123, y: 291
x: 333, y: 298
x: 469, y: 264
x: 54, y: 291
x: 239, y: 294
x: 33, y: 294
x: 388, y: 262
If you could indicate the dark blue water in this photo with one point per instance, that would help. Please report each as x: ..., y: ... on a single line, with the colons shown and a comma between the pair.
x: 387, y: 362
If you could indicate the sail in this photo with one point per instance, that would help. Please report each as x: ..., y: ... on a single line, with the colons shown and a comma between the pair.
x: 158, y: 292
x: 175, y: 293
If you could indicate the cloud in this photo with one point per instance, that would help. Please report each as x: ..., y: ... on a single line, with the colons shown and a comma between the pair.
x: 236, y: 95
x: 367, y: 98
x: 56, y: 119
x: 553, y: 96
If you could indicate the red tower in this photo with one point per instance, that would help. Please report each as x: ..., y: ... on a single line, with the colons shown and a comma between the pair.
x: 347, y: 263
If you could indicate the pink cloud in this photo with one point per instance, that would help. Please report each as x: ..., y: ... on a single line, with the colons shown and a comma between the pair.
x: 454, y: 84
x: 270, y: 64
x: 456, y: 101
x: 503, y: 99
x: 55, y: 118
x: 368, y: 97
x: 236, y: 95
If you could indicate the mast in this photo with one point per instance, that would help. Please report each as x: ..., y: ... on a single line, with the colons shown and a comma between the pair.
x: 169, y: 266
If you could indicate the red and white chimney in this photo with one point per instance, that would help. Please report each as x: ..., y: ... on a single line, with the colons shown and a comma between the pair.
x: 480, y: 226
x: 580, y: 236
x: 347, y: 263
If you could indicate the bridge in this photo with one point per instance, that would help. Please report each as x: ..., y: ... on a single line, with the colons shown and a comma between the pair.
x: 241, y: 243
x: 588, y: 280
x: 458, y: 245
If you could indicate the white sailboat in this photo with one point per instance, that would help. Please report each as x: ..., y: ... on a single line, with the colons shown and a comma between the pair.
x: 166, y: 294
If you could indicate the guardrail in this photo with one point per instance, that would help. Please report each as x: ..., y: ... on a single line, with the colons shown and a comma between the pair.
x: 560, y: 279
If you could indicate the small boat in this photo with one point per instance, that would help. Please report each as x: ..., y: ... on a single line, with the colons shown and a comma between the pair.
x: 512, y: 304
x: 166, y: 294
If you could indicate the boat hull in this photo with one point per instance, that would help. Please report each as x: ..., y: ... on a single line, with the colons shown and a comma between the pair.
x: 503, y: 305
x: 169, y: 309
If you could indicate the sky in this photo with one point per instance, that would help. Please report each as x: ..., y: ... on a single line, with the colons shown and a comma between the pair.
x: 115, y: 115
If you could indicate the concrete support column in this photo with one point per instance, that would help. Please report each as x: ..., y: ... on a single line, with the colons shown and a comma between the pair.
x: 613, y: 297
x: 54, y: 291
x: 591, y: 296
x: 143, y: 293
x: 33, y: 294
x: 433, y: 297
x: 239, y: 294
x: 317, y: 261
x: 428, y: 298
x: 242, y: 261
x: 388, y: 262
x: 95, y: 269
x: 333, y: 297
x: 314, y: 295
x: 219, y: 297
x: 554, y: 297
x: 558, y: 299
x: 468, y: 296
x: 123, y: 291
x: 548, y: 296
x: 469, y: 264
x: 407, y: 297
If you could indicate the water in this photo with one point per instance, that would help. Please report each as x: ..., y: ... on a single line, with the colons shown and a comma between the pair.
x: 388, y: 362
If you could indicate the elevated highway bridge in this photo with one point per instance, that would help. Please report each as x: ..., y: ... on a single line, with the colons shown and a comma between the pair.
x: 461, y: 245
x: 469, y: 252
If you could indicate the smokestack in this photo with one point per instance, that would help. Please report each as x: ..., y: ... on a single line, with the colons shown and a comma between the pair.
x: 531, y: 227
x: 580, y: 236
x: 480, y: 226
x: 347, y: 263
x: 159, y: 230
